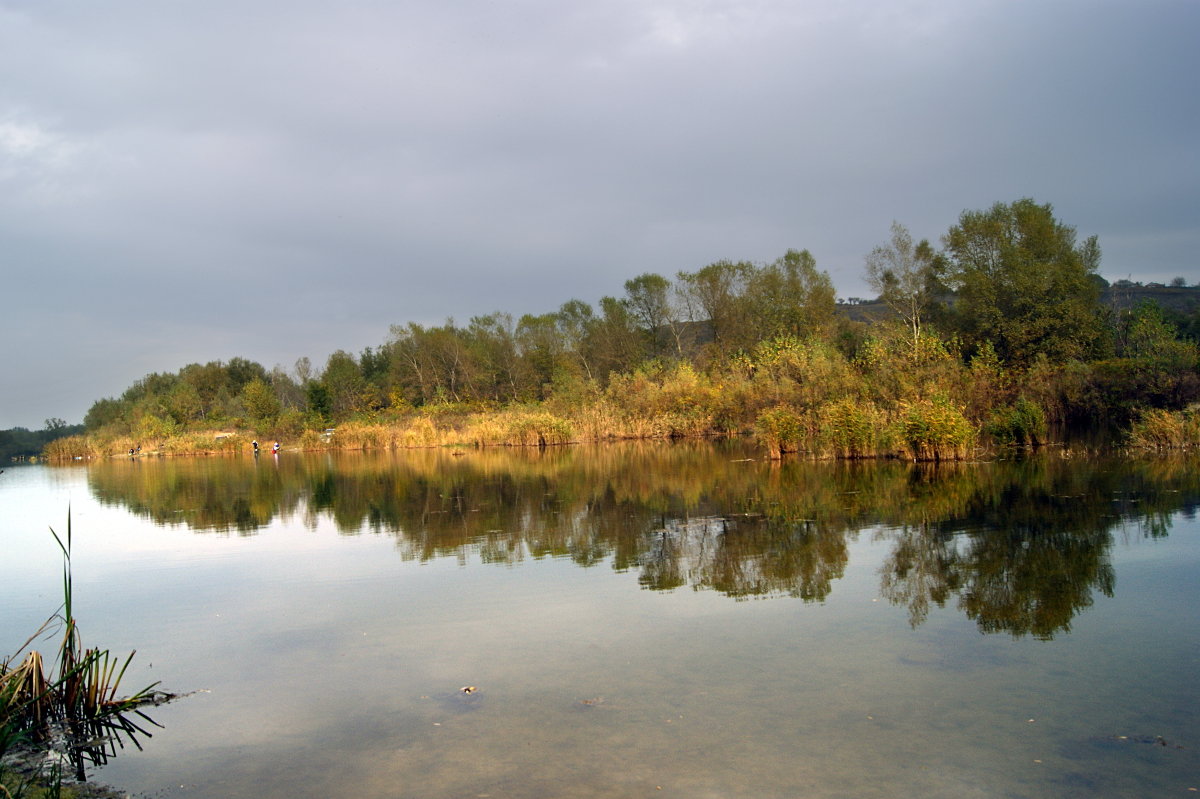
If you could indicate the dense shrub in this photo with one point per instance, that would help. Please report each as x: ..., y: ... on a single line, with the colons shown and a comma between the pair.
x: 850, y: 429
x: 781, y: 429
x: 1020, y: 424
x: 934, y: 430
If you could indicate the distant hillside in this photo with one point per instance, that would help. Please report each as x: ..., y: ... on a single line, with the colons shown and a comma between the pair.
x: 864, y: 310
x: 1120, y: 296
x: 1123, y: 295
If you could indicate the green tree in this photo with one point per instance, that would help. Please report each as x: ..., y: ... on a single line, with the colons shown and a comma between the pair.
x: 240, y: 371
x: 541, y: 348
x: 649, y: 298
x: 260, y: 402
x: 615, y: 343
x: 492, y: 347
x: 575, y: 320
x: 183, y: 403
x: 289, y: 393
x: 318, y: 401
x: 1022, y: 282
x: 791, y: 297
x: 344, y: 381
x: 902, y: 274
x: 210, y: 383
x: 718, y: 292
x: 104, y: 413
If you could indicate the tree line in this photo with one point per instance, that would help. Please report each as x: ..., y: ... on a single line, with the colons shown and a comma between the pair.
x: 1004, y: 323
x: 19, y: 443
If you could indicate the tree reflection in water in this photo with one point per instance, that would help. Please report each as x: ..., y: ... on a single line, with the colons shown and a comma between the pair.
x: 1019, y: 546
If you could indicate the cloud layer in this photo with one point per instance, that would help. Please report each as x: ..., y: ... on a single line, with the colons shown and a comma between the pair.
x: 269, y: 180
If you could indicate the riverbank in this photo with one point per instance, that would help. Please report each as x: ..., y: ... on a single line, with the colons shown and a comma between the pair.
x: 922, y: 430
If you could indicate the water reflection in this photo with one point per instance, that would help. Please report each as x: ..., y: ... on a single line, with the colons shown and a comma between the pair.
x: 92, y: 743
x: 1020, y: 547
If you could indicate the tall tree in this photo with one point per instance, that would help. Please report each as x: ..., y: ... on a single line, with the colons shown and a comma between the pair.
x: 719, y: 292
x: 1023, y: 283
x: 260, y: 403
x: 492, y: 342
x: 344, y: 381
x: 791, y: 297
x: 649, y: 300
x: 541, y: 348
x: 902, y: 274
x: 614, y: 341
x: 575, y: 321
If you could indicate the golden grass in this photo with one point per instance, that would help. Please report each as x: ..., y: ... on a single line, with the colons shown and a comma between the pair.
x: 1164, y: 430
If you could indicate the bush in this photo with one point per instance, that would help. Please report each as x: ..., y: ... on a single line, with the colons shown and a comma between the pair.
x: 781, y: 429
x: 659, y: 400
x: 935, y: 430
x: 851, y: 429
x: 1017, y: 425
x: 289, y: 424
x: 537, y: 429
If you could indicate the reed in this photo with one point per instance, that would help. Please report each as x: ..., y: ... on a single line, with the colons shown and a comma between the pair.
x: 1018, y: 425
x: 88, y: 446
x: 781, y: 429
x: 69, y: 448
x: 77, y: 695
x: 363, y: 435
x: 854, y: 429
x: 313, y: 439
x: 203, y: 442
x: 537, y: 429
x: 934, y: 430
x: 422, y: 431
x: 1164, y: 430
x: 485, y: 430
x: 596, y: 421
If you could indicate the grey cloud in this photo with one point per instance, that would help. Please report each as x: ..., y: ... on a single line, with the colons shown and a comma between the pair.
x: 273, y: 179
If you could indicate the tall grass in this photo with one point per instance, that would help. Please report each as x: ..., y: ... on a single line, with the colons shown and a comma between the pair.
x: 1161, y: 430
x: 854, y: 429
x: 782, y: 430
x: 77, y: 695
x: 935, y: 430
x: 1021, y: 424
x: 70, y: 448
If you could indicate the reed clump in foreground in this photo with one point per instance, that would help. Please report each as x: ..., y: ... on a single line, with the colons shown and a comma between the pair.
x: 70, y: 705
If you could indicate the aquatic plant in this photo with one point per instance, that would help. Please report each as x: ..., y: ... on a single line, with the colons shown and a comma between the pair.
x: 781, y: 429
x: 70, y: 448
x: 76, y: 698
x: 1020, y: 424
x: 935, y: 430
x: 851, y: 429
x: 1161, y: 429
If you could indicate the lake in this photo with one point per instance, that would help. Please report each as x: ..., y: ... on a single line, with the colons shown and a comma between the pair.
x: 642, y: 620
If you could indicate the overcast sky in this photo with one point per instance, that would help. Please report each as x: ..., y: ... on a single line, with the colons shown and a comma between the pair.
x: 184, y: 182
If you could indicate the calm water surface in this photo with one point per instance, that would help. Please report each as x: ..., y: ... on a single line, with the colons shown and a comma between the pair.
x: 658, y: 621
